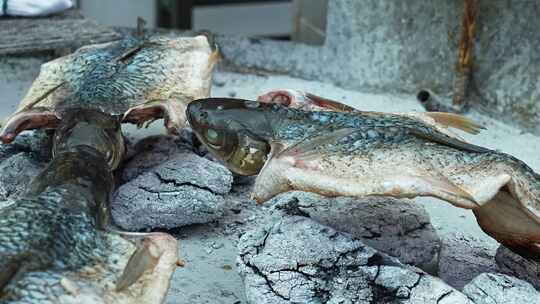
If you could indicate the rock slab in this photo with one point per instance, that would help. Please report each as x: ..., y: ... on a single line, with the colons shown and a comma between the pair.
x: 462, y: 258
x: 489, y: 288
x: 297, y: 260
x: 152, y: 151
x: 515, y: 265
x: 398, y: 227
x: 16, y: 173
x: 21, y: 161
x: 186, y: 189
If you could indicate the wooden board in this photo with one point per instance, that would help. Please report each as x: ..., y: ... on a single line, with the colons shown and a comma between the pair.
x: 68, y: 30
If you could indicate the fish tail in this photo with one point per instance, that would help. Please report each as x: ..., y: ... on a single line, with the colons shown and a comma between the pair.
x: 524, y: 185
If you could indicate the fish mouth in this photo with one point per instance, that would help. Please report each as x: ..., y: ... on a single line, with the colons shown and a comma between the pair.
x: 192, y: 107
x: 198, y: 110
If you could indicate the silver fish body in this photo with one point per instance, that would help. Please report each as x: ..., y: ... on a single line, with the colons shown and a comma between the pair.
x: 362, y: 154
x: 55, y: 246
x: 139, y: 79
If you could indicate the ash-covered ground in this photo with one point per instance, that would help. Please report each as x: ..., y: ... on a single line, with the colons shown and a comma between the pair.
x: 218, y: 271
x: 210, y: 250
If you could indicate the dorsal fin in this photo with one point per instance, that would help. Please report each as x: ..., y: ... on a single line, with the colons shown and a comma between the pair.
x: 456, y: 121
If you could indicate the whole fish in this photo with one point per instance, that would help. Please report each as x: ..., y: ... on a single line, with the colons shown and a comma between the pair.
x: 55, y: 244
x: 138, y: 78
x: 338, y: 153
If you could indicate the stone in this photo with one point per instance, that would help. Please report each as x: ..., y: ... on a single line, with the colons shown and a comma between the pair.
x: 21, y: 161
x: 152, y: 151
x: 515, y: 265
x: 36, y: 143
x: 185, y: 190
x: 489, y: 288
x: 398, y: 227
x: 462, y: 258
x: 298, y: 260
x: 15, y: 174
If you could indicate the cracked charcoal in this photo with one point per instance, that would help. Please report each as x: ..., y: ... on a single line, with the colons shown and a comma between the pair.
x: 342, y: 269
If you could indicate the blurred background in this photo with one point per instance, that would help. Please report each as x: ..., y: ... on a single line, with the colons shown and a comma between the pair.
x: 298, y: 20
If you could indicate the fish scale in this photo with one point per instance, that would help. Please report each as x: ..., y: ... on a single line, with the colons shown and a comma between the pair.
x: 150, y: 78
x: 371, y: 153
x: 55, y: 242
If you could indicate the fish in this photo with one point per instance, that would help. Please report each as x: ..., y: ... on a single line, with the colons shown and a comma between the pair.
x: 442, y: 121
x: 359, y: 154
x: 57, y: 242
x: 140, y: 79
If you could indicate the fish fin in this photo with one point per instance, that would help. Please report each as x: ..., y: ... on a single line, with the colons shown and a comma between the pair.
x: 28, y: 120
x: 271, y: 179
x: 445, y: 189
x: 128, y: 54
x: 131, y: 52
x: 276, y: 148
x: 443, y: 139
x: 145, y: 257
x: 456, y: 121
x: 329, y: 103
x: 172, y: 111
x: 302, y: 100
x: 307, y: 147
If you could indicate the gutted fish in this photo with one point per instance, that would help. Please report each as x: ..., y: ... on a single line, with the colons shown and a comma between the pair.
x: 140, y: 79
x: 340, y: 153
x: 56, y: 245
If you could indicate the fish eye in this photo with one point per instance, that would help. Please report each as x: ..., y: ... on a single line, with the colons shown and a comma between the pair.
x: 213, y: 136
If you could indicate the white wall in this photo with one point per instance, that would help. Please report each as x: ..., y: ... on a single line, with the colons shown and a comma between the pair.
x: 273, y: 19
x: 120, y: 12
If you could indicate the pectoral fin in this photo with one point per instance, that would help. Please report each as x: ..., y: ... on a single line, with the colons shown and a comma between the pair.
x: 31, y: 119
x: 145, y: 258
x: 444, y: 189
x: 308, y: 147
x: 173, y: 111
x: 443, y: 139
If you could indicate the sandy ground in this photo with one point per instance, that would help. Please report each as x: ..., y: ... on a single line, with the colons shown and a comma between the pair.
x: 210, y: 250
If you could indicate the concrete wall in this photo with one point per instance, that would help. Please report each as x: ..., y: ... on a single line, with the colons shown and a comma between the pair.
x: 248, y: 19
x: 402, y: 46
x: 120, y: 12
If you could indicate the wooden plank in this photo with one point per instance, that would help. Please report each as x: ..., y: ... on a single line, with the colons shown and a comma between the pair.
x: 65, y: 31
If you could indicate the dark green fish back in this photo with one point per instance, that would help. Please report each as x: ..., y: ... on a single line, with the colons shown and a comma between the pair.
x: 126, y: 72
x: 52, y: 234
x: 292, y: 125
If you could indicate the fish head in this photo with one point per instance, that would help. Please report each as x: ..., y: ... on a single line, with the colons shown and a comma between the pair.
x: 90, y: 129
x: 236, y: 131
